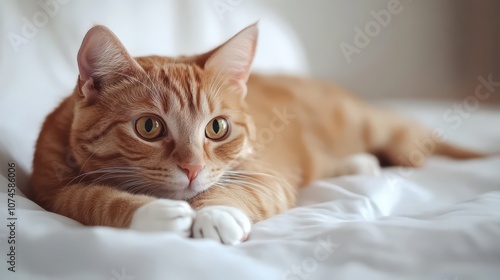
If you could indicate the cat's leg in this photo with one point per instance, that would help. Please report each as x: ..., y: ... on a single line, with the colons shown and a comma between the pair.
x: 395, y: 139
x: 358, y: 164
x: 226, y: 212
x: 407, y: 144
x: 327, y: 166
x: 103, y: 205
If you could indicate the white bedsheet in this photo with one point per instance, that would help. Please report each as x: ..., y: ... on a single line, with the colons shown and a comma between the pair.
x: 438, y: 222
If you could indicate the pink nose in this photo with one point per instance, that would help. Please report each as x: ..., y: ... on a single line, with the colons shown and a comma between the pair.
x: 191, y: 170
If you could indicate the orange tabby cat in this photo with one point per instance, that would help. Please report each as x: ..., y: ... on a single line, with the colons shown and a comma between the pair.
x: 141, y: 136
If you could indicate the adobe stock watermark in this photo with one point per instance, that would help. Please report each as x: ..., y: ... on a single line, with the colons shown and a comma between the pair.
x: 222, y: 7
x: 470, y: 104
x: 31, y: 26
x: 453, y: 116
x: 277, y: 124
x: 363, y: 37
x: 323, y: 250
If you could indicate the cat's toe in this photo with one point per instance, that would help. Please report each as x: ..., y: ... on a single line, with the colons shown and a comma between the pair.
x: 226, y: 224
x: 363, y: 164
x: 164, y: 215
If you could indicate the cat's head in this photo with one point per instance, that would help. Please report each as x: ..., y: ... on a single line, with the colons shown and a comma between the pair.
x: 163, y: 126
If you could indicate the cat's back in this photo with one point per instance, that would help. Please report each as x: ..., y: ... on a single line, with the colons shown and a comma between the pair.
x: 305, y: 97
x: 290, y: 88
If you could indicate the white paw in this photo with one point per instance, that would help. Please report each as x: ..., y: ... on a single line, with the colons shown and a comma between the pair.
x: 226, y: 224
x: 164, y: 215
x: 362, y: 164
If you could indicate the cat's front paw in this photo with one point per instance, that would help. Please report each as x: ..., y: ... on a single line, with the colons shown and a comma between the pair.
x: 164, y: 215
x: 226, y: 224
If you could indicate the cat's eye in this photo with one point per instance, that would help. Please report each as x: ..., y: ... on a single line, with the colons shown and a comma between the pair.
x: 217, y: 129
x: 149, y: 127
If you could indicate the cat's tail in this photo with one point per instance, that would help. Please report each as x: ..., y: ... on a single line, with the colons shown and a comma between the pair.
x: 456, y: 152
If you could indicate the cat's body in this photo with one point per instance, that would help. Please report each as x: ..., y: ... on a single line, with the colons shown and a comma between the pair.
x: 137, y: 130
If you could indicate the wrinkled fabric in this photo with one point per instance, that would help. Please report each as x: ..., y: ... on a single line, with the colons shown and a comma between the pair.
x: 438, y: 222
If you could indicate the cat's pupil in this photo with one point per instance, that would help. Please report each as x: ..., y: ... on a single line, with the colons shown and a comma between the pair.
x: 216, y: 126
x: 148, y: 125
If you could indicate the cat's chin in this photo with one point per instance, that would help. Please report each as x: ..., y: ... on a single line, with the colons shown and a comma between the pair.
x: 185, y: 192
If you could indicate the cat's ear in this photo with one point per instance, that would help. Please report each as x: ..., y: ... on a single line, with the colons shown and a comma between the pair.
x: 233, y: 59
x: 102, y: 61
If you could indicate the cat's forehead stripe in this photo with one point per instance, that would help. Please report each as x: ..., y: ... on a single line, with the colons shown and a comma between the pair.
x: 210, y: 104
x: 195, y: 86
x: 178, y: 86
x: 174, y: 89
x: 184, y: 81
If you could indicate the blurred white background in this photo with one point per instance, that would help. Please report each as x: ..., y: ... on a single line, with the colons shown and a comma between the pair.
x: 427, y: 49
x: 430, y: 49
